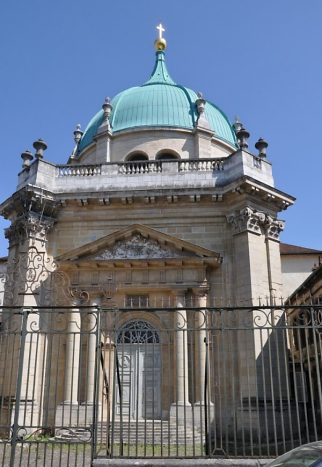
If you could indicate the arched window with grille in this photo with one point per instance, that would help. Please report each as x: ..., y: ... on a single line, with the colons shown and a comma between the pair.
x: 138, y: 332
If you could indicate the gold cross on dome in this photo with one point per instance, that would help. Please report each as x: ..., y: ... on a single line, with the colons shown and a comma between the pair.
x: 161, y: 29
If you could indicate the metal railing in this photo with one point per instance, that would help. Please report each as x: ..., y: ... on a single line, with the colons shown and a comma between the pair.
x: 82, y: 383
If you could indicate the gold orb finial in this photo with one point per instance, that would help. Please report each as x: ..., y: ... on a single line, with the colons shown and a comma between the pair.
x: 160, y: 43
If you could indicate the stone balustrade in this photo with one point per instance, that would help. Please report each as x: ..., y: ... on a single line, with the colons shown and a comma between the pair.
x: 79, y: 170
x: 137, y: 175
x: 144, y: 167
x: 201, y: 165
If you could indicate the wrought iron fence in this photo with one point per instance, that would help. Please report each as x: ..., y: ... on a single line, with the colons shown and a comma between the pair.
x: 81, y: 383
x: 48, y: 383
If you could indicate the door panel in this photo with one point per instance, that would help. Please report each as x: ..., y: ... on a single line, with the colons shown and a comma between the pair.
x: 140, y: 374
x: 151, y: 378
x: 127, y: 374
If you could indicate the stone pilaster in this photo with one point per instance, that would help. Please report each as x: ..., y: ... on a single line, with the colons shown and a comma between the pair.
x: 181, y: 408
x: 28, y: 267
x: 91, y: 328
x: 258, y: 281
x: 273, y: 228
x: 203, y: 142
x: 67, y: 412
x: 72, y: 357
x: 200, y: 345
x: 249, y: 256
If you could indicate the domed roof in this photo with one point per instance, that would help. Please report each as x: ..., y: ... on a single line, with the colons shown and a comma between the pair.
x: 159, y: 102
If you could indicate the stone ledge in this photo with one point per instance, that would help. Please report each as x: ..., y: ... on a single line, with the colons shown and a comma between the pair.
x: 180, y: 462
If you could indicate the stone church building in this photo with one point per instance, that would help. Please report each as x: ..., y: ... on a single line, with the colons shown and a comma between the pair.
x: 161, y: 206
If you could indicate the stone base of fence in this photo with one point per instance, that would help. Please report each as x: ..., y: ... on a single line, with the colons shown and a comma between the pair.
x: 180, y: 462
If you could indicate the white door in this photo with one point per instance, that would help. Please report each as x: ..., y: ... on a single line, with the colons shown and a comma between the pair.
x: 139, y: 360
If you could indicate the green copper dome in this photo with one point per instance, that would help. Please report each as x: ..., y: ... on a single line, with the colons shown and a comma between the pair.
x: 159, y: 102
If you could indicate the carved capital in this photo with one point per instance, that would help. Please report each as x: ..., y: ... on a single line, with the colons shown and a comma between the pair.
x: 247, y: 220
x: 250, y: 220
x: 201, y: 292
x: 31, y: 225
x: 273, y: 227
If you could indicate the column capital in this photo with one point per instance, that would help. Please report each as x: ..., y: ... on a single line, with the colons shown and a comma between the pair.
x: 257, y: 222
x: 201, y: 292
x: 95, y: 301
x: 30, y: 225
x: 180, y: 297
x: 274, y: 227
x: 74, y: 303
x: 247, y: 220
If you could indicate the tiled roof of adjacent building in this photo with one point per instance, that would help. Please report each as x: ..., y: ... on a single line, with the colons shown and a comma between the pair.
x: 287, y: 249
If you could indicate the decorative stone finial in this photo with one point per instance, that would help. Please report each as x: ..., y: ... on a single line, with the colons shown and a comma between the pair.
x: 78, y: 134
x: 261, y: 145
x: 40, y: 147
x: 27, y: 157
x: 77, y: 137
x: 160, y: 43
x: 200, y: 103
x: 237, y: 124
x: 242, y: 136
x: 202, y: 121
x: 107, y: 108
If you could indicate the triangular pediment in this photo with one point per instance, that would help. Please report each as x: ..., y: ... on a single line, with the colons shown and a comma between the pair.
x: 139, y: 247
x: 138, y: 242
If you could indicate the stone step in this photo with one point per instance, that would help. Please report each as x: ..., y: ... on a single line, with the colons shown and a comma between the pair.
x: 73, y: 435
x: 148, y: 431
x: 152, y: 432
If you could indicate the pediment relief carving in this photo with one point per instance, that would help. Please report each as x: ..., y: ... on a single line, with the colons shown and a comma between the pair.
x: 139, y: 247
x: 142, y: 243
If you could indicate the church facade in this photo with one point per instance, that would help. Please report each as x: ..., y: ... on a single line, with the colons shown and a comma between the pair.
x: 161, y: 207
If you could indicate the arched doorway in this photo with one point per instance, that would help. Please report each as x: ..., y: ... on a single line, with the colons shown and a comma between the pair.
x: 139, y: 360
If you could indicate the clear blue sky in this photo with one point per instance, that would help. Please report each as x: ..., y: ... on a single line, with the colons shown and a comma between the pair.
x: 259, y: 59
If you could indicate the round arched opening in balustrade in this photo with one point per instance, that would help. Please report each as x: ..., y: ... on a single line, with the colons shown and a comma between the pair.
x: 137, y: 157
x: 167, y: 156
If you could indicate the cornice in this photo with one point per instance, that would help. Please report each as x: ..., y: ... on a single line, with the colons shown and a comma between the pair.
x: 41, y: 200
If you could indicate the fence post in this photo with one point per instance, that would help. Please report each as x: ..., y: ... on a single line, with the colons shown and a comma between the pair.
x: 15, y: 427
x: 317, y: 363
x: 96, y: 382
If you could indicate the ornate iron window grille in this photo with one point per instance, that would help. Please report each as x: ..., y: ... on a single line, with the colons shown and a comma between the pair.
x: 138, y: 332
